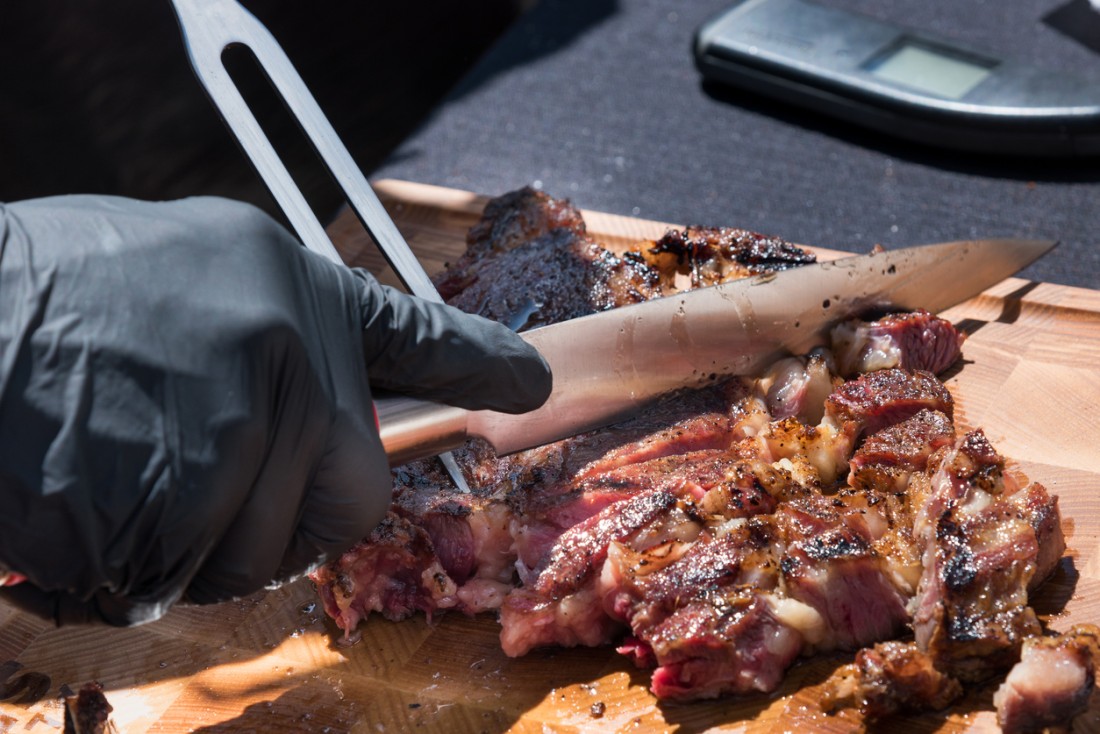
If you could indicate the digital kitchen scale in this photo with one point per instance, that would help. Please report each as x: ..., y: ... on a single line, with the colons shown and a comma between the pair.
x: 898, y: 81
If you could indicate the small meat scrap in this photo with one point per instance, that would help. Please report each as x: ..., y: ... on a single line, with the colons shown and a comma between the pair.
x: 915, y: 340
x: 393, y: 571
x: 889, y: 678
x: 87, y: 711
x: 712, y: 255
x: 1052, y: 682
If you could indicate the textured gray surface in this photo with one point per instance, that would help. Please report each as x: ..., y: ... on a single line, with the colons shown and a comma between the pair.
x: 97, y: 96
x: 600, y: 102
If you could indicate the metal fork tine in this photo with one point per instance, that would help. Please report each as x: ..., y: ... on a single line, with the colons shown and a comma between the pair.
x: 211, y: 26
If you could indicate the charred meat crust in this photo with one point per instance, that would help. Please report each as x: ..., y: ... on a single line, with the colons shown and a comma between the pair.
x: 827, y: 505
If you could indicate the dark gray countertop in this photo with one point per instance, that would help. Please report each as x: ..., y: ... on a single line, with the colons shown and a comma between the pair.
x: 600, y: 102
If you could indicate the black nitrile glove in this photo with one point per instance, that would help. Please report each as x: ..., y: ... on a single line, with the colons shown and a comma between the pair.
x: 184, y: 407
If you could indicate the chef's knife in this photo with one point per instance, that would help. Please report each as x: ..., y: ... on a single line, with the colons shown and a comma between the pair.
x: 608, y: 365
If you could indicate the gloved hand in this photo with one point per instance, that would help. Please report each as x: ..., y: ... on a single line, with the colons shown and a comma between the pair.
x: 184, y: 401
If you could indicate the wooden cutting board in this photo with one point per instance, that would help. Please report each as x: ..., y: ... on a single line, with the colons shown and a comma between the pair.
x: 1031, y: 378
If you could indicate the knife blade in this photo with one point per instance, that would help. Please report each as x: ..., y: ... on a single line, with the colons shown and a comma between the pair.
x: 609, y: 365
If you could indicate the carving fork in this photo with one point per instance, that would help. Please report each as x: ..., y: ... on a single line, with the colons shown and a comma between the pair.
x: 211, y: 26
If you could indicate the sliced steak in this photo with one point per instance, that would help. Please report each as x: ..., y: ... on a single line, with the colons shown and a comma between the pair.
x: 560, y: 602
x: 730, y: 641
x: 972, y: 613
x: 830, y: 564
x: 915, y: 340
x: 644, y: 587
x: 726, y: 530
x: 528, y: 620
x: 1040, y: 508
x: 886, y: 459
x: 879, y: 399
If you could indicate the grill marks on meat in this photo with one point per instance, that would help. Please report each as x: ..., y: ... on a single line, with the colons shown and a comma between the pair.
x: 726, y: 531
x: 971, y: 612
x: 879, y: 399
x: 979, y: 534
x: 831, y: 565
x: 886, y: 459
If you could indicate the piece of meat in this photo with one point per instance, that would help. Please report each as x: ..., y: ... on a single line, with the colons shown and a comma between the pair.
x: 879, y: 399
x: 725, y: 530
x: 598, y: 469
x: 711, y: 255
x: 519, y: 216
x: 712, y: 417
x: 730, y: 641
x: 971, y: 613
x: 659, y: 521
x: 393, y: 572
x: 580, y: 551
x: 529, y: 620
x: 877, y: 486
x: 823, y: 449
x: 643, y: 587
x: 886, y: 459
x: 797, y: 387
x: 445, y: 516
x: 913, y: 340
x: 888, y: 678
x: 1040, y: 508
x: 1051, y: 684
x: 87, y: 711
x: 830, y: 564
x: 507, y: 222
x: 556, y: 277
x: 469, y: 532
x: 560, y: 601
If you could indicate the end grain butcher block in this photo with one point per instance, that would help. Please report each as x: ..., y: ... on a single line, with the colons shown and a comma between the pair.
x: 1030, y: 377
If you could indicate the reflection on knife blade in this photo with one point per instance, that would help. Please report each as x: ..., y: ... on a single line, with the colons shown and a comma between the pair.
x: 735, y: 327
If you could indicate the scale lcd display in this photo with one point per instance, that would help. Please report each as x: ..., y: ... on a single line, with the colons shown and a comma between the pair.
x: 924, y: 67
